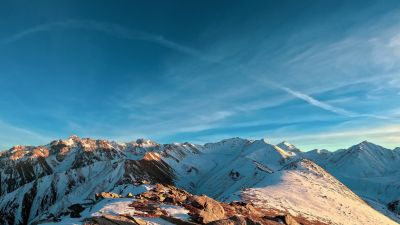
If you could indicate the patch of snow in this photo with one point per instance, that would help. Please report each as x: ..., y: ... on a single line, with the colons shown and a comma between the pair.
x: 176, y: 211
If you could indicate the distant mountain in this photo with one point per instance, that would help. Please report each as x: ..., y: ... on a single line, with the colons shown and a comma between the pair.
x: 53, y: 182
x: 288, y: 147
x: 370, y: 170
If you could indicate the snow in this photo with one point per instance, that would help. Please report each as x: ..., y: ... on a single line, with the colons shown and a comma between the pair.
x: 120, y: 206
x: 125, y: 189
x: 370, y: 170
x: 288, y: 147
x: 272, y: 176
x: 176, y: 211
x: 309, y: 194
x: 267, y: 178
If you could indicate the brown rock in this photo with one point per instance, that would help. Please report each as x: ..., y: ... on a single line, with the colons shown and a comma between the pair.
x: 177, y: 221
x: 210, y: 209
x: 235, y: 220
x: 289, y: 220
x: 103, y: 195
x: 115, y: 220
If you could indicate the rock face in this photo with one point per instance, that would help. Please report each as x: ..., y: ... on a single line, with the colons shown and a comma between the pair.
x: 394, y: 206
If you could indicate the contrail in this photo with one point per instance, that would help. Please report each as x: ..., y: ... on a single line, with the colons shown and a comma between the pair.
x: 317, y: 103
x: 110, y: 29
x: 126, y: 33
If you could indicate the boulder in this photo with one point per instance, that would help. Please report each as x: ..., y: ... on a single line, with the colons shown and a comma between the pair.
x: 289, y: 220
x: 208, y: 209
x: 103, y: 195
x: 75, y: 210
x: 114, y: 220
x: 394, y: 206
x: 236, y: 220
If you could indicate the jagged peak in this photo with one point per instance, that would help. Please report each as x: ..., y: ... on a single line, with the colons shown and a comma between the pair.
x: 366, y: 145
x: 74, y: 137
x: 285, y: 145
x: 146, y: 142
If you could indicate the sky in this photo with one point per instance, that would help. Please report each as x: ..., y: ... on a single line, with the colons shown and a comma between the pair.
x: 318, y: 74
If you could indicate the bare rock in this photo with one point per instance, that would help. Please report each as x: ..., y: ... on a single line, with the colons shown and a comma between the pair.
x: 209, y: 209
x: 75, y: 210
x: 238, y: 220
x: 114, y: 220
x: 394, y: 206
x: 289, y: 220
x: 103, y: 195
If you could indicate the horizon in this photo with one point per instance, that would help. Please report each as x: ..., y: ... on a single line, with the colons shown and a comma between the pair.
x: 322, y: 75
x: 204, y: 143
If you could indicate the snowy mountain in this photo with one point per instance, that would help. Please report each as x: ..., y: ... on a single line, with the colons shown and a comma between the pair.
x: 369, y: 170
x: 44, y: 182
x: 288, y: 147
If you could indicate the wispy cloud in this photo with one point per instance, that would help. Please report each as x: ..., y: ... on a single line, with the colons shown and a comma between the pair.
x: 317, y: 103
x: 209, y: 95
x: 110, y: 29
x: 388, y: 135
x: 13, y: 135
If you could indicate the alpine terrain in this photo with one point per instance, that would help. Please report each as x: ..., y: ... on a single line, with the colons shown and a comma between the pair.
x: 234, y: 181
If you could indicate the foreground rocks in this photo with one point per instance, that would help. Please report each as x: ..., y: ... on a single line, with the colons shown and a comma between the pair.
x: 203, y: 209
x: 206, y: 209
x: 115, y: 220
x: 199, y: 209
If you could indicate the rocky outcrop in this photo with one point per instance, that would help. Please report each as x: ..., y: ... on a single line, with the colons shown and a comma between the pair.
x: 115, y: 220
x: 203, y: 209
x: 394, y: 207
x: 240, y: 220
x: 207, y: 209
x: 103, y: 195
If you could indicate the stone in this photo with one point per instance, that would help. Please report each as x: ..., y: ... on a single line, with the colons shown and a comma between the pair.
x: 75, y: 210
x: 209, y: 209
x: 235, y: 220
x: 289, y: 220
x: 115, y: 220
x: 103, y: 195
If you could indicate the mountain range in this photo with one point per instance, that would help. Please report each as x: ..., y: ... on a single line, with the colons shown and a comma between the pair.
x: 46, y: 184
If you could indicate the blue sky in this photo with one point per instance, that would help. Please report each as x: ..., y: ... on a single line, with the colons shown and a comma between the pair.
x: 319, y: 74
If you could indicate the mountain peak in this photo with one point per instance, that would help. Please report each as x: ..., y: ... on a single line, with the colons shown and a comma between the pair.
x: 366, y: 145
x: 288, y: 147
x: 145, y: 142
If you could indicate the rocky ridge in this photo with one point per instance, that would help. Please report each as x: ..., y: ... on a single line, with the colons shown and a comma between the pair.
x: 38, y: 183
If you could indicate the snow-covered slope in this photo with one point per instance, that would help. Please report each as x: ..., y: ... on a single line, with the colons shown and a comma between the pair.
x: 273, y: 178
x: 370, y: 170
x: 288, y: 147
x: 40, y: 182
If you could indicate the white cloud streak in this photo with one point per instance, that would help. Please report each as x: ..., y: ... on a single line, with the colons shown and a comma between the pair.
x: 110, y: 29
x: 12, y: 135
x: 325, y: 106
